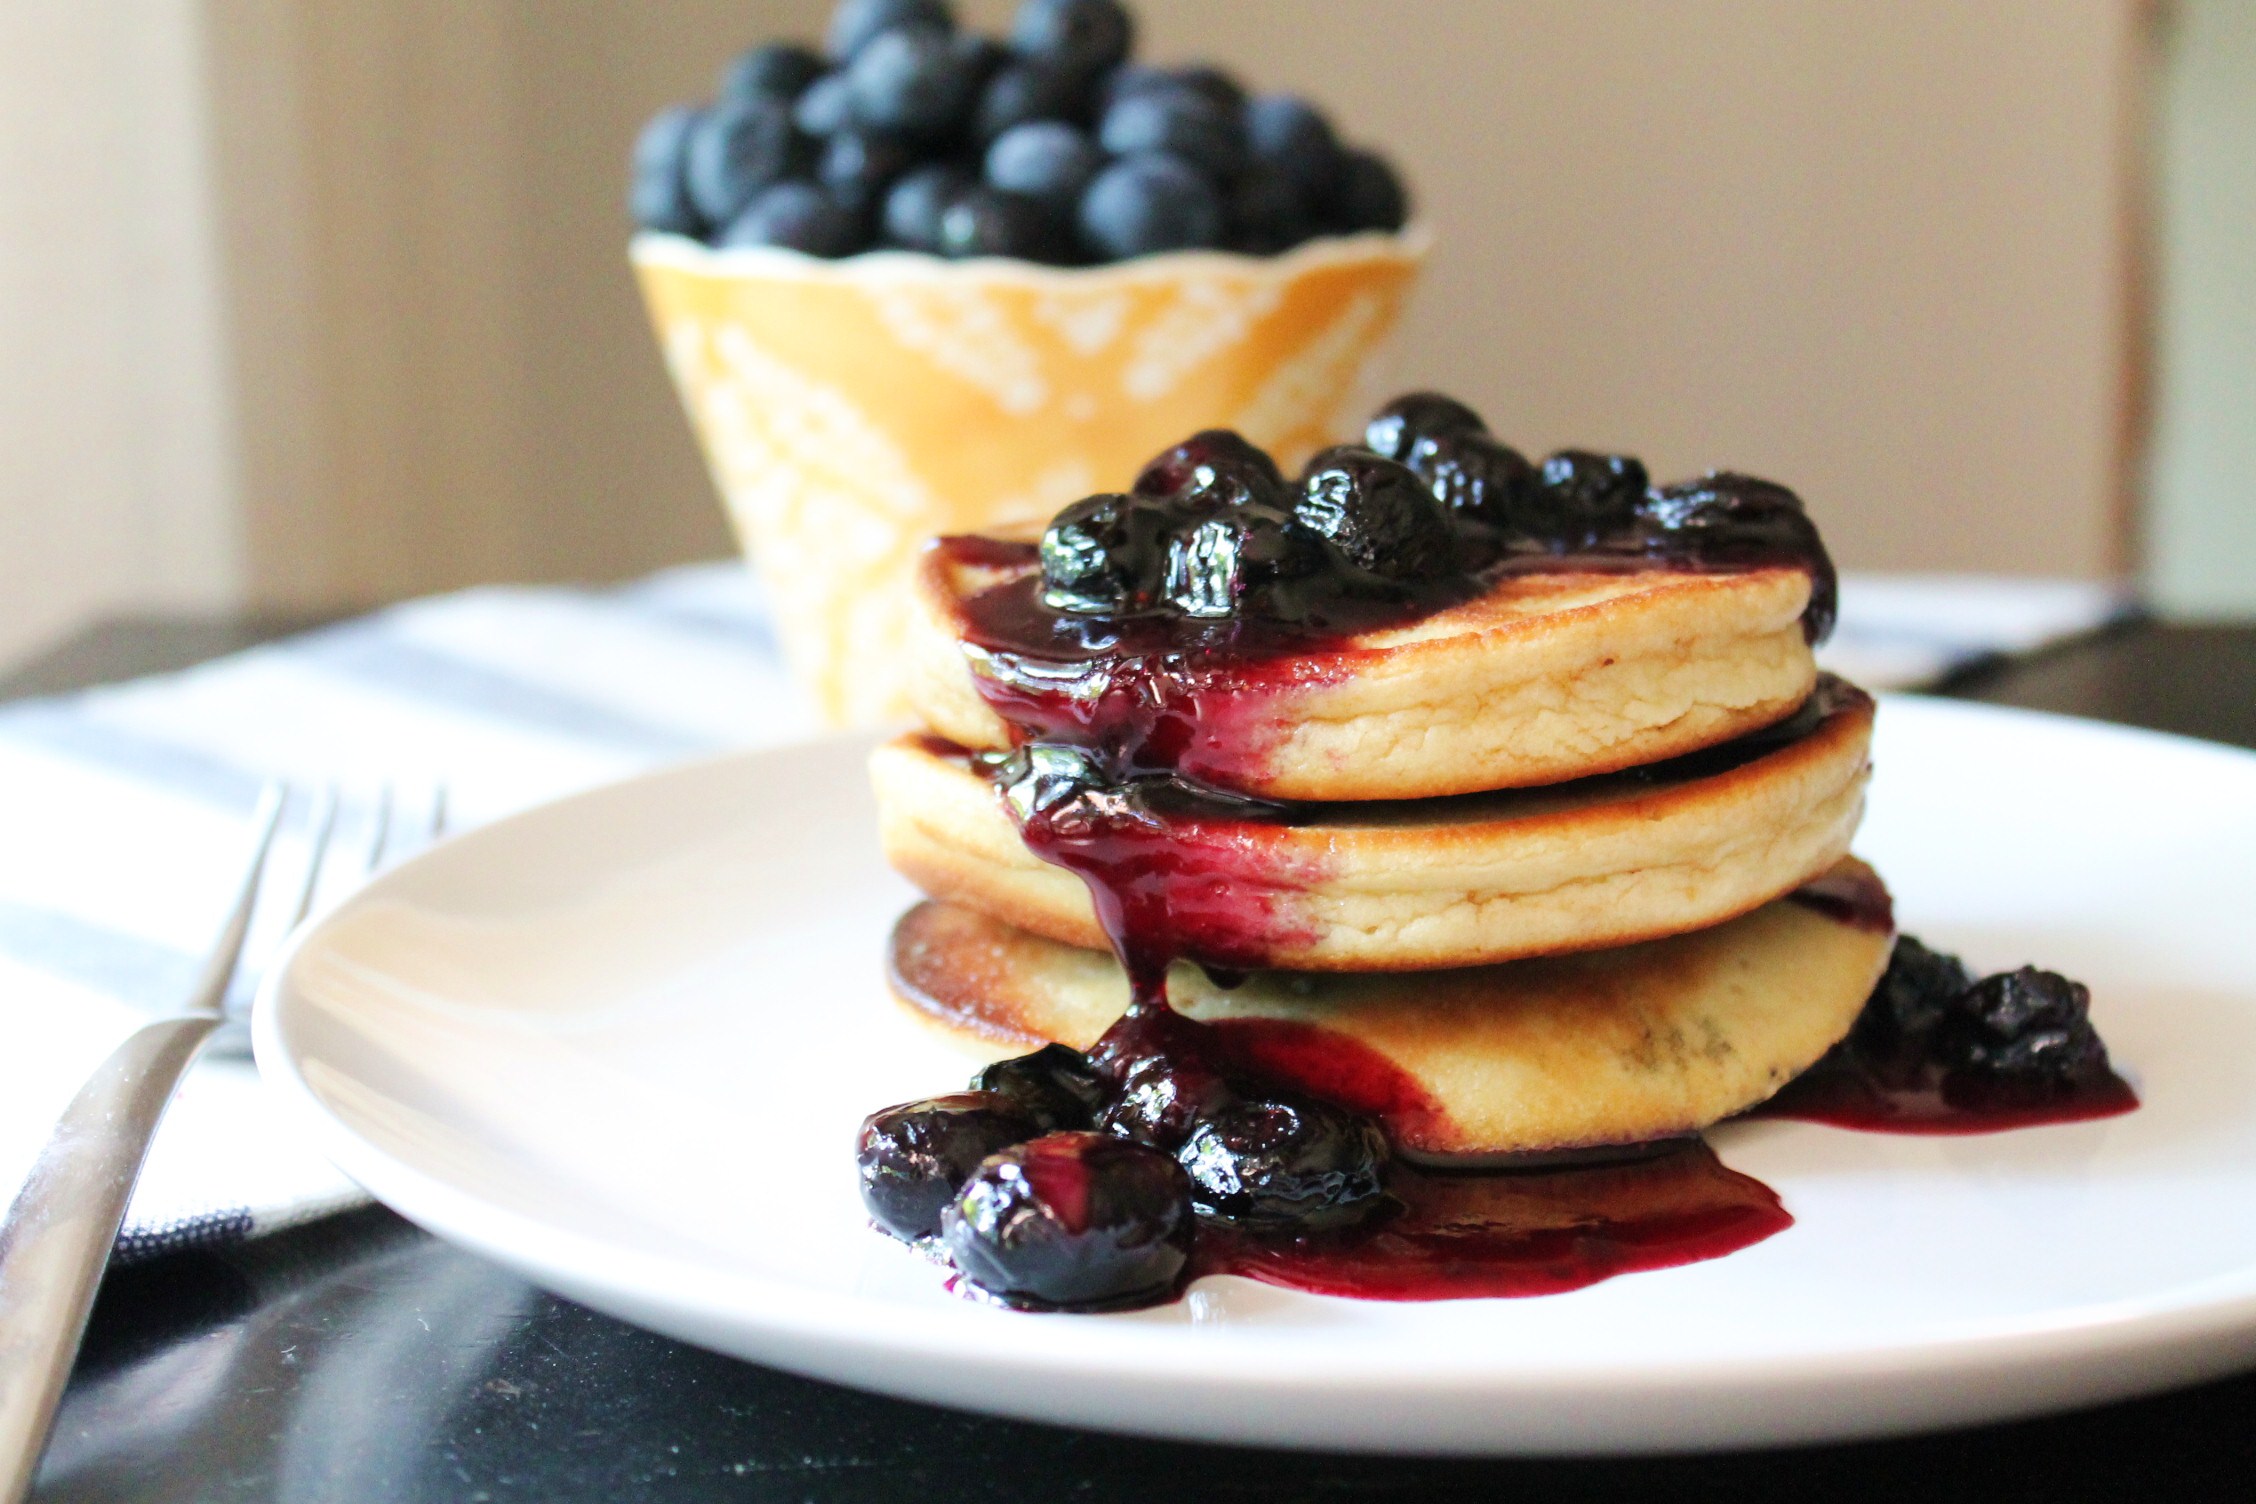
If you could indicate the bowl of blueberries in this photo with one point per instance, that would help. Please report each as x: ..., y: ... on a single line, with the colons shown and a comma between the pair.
x: 917, y: 281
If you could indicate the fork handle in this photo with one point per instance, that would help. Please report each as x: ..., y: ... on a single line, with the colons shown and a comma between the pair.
x: 58, y: 1234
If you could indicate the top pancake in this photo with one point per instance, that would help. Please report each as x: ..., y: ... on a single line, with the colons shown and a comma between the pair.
x: 1547, y: 677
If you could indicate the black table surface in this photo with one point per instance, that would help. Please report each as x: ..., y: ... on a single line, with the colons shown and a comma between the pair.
x: 359, y: 1359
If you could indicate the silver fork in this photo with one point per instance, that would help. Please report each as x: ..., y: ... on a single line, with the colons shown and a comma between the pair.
x: 58, y: 1233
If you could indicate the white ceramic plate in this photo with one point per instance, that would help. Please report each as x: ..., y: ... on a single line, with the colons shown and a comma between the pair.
x: 622, y: 1042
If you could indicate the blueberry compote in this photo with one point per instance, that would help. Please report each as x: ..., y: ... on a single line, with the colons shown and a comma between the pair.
x: 1937, y: 1050
x: 1124, y: 651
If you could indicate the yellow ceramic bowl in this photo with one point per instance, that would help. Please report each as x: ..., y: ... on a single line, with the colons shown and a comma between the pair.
x: 851, y: 410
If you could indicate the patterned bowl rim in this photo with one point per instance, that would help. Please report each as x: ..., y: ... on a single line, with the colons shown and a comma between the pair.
x: 653, y: 248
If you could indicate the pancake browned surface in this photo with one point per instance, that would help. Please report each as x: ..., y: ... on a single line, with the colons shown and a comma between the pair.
x: 1431, y: 883
x: 1545, y: 678
x: 1605, y: 1047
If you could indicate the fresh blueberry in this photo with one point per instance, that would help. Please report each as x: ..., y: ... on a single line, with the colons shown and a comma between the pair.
x: 1218, y: 565
x: 1180, y: 122
x: 1026, y: 91
x: 779, y: 70
x: 739, y: 148
x: 915, y: 204
x: 1367, y: 195
x: 1127, y: 79
x: 1378, y: 513
x: 799, y: 217
x: 857, y: 22
x: 2029, y: 1030
x: 859, y: 166
x: 1214, y: 84
x: 1073, y: 1221
x: 1045, y: 160
x: 658, y: 195
x: 1725, y: 518
x: 1081, y: 36
x: 1283, y: 1163
x: 915, y: 1157
x: 826, y: 107
x: 1214, y: 469
x: 1292, y: 136
x: 1584, y: 497
x: 1105, y: 555
x: 914, y: 82
x: 983, y: 221
x: 1147, y: 204
x: 1055, y: 1086
x: 1394, y: 431
x: 1268, y: 213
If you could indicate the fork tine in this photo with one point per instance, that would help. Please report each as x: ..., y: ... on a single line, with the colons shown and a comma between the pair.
x: 321, y: 824
x: 211, y: 988
x: 380, y: 826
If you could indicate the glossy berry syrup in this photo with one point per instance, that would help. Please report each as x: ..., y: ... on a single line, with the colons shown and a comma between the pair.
x: 1506, y: 1233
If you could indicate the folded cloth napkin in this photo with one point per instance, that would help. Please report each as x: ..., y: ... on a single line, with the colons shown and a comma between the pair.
x: 124, y: 808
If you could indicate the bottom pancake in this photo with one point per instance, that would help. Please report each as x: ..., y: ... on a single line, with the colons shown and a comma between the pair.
x: 1553, y: 1054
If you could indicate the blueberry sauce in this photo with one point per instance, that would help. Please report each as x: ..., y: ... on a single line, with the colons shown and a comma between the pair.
x: 1131, y: 654
x: 1938, y: 1052
x: 1501, y: 1233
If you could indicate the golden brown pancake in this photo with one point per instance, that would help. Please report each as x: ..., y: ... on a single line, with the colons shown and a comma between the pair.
x: 1432, y: 883
x: 1604, y: 1047
x: 1546, y: 678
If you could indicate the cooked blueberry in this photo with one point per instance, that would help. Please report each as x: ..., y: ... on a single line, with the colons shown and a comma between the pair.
x: 778, y: 69
x: 1046, y: 160
x: 1105, y: 554
x: 1219, y: 565
x: 1081, y: 36
x: 858, y: 167
x: 1073, y: 1221
x: 658, y: 192
x: 914, y: 205
x: 1724, y: 518
x: 1164, y: 1078
x: 1147, y: 204
x: 2025, y: 1028
x: 915, y: 1157
x: 915, y: 82
x: 1026, y: 91
x: 739, y: 148
x: 798, y: 217
x: 1213, y: 469
x: 1055, y: 1086
x: 857, y: 22
x: 1292, y: 136
x: 1285, y: 1163
x: 1378, y: 513
x: 826, y: 107
x: 1583, y: 497
x: 1181, y: 122
x: 1394, y: 431
x: 1367, y: 195
x: 1918, y: 988
x: 1268, y: 213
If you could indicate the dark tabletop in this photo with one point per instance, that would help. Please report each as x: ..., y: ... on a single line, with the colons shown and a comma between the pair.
x: 360, y: 1360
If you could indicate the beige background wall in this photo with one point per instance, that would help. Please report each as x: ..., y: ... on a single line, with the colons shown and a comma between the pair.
x: 117, y: 481
x: 1876, y: 251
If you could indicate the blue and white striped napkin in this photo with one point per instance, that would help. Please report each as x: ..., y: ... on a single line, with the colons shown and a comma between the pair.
x: 122, y: 809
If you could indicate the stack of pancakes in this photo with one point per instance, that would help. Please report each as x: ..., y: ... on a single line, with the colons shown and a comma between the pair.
x: 1566, y: 864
